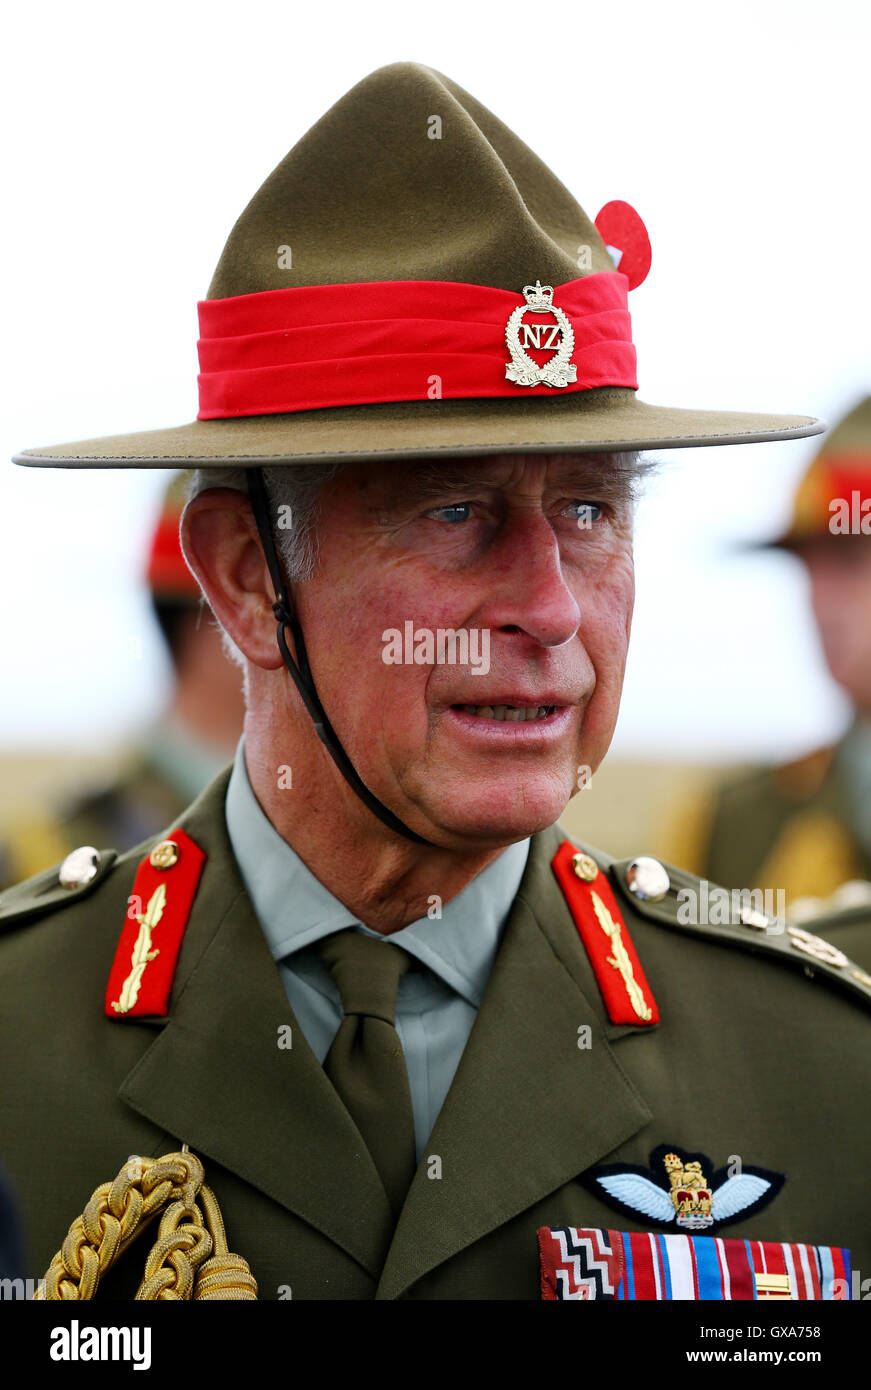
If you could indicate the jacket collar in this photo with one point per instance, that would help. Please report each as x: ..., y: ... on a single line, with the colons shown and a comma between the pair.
x: 274, y: 876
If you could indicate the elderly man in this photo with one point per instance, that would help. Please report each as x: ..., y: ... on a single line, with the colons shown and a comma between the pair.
x: 417, y: 1042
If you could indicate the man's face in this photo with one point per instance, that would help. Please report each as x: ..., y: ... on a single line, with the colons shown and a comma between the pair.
x: 840, y: 575
x: 493, y: 547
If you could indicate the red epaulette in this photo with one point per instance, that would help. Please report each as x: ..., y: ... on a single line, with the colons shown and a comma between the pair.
x: 627, y: 995
x: 157, y: 913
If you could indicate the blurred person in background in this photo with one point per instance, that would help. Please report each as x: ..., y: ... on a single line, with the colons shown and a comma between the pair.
x: 178, y: 755
x: 805, y: 826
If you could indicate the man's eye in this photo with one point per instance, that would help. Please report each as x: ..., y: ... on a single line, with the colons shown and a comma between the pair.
x: 454, y: 511
x: 584, y: 513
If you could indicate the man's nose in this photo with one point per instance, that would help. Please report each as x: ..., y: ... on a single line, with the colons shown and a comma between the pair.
x: 530, y: 592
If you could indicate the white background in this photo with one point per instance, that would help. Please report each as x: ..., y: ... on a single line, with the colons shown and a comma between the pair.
x: 134, y: 137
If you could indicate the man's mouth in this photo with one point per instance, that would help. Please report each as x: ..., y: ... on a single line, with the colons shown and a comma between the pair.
x: 520, y: 714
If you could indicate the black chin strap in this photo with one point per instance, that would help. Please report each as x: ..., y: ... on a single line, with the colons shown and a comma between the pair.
x: 301, y: 674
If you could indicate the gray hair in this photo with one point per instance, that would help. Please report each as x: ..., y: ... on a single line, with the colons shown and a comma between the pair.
x: 297, y: 488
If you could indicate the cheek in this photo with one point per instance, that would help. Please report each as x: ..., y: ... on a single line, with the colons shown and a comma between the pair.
x: 343, y: 624
x: 606, y: 618
x: 365, y: 694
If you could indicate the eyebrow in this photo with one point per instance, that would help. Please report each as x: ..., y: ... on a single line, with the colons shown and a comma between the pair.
x: 612, y: 476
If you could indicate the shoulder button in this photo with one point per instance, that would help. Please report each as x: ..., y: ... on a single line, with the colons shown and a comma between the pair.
x: 79, y: 867
x: 80, y: 874
x: 647, y: 879
x: 752, y: 917
x: 585, y: 867
x: 164, y: 855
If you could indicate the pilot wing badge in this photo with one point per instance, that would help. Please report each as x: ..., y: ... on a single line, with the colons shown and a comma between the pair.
x: 680, y: 1189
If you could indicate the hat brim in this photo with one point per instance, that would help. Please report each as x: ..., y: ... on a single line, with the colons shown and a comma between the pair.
x: 610, y: 418
x: 793, y: 544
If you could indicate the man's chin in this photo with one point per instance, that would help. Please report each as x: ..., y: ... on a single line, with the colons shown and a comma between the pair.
x: 495, y: 820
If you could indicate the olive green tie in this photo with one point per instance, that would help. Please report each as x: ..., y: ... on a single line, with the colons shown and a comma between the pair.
x: 365, y: 1062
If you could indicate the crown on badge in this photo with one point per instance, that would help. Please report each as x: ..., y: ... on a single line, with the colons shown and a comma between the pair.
x: 538, y: 296
x: 690, y: 1194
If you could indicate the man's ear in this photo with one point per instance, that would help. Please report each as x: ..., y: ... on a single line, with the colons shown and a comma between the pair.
x: 221, y: 545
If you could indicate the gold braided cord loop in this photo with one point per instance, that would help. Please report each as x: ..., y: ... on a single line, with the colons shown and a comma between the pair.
x: 225, y: 1276
x: 189, y: 1259
x: 177, y: 1253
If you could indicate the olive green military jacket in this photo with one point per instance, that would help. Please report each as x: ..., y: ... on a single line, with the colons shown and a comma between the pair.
x: 761, y: 1054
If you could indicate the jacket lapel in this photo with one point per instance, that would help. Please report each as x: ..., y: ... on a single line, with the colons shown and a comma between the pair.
x: 528, y: 1109
x: 216, y: 1077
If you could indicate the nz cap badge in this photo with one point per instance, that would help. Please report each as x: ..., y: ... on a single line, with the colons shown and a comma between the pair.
x: 541, y: 337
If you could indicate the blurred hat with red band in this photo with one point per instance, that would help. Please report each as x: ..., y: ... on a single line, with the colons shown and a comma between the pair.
x: 166, y: 572
x: 833, y: 497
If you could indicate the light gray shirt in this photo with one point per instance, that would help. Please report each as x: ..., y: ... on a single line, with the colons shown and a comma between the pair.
x: 435, y: 1006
